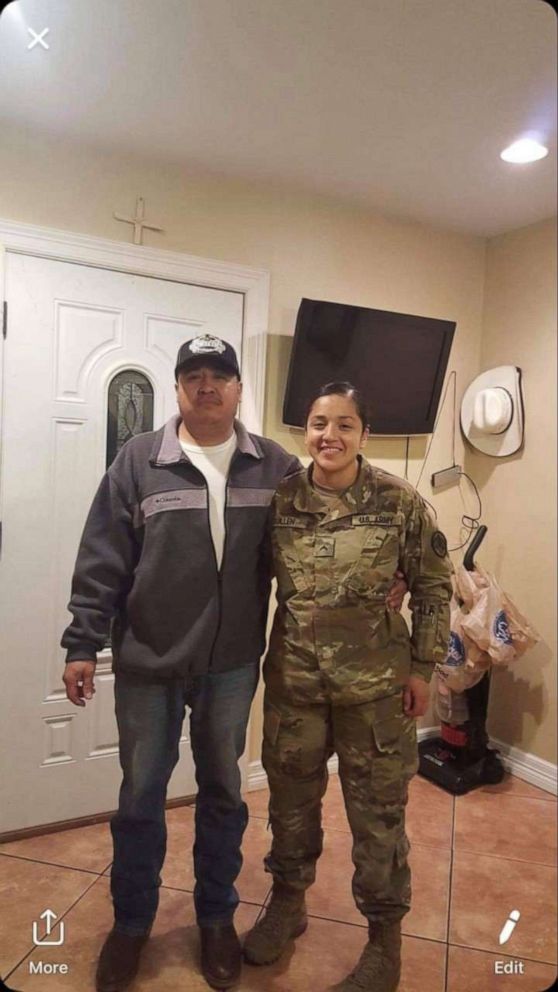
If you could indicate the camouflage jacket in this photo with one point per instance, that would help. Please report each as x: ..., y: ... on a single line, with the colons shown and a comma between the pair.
x: 334, y: 559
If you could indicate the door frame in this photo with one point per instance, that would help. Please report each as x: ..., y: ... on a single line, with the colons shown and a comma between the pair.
x: 66, y: 246
x: 253, y: 283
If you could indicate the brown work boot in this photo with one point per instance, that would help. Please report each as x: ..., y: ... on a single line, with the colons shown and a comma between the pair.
x: 221, y: 956
x: 379, y: 967
x: 118, y: 961
x: 284, y: 919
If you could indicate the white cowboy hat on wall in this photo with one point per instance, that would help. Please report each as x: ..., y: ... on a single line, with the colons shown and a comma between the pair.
x: 492, y: 411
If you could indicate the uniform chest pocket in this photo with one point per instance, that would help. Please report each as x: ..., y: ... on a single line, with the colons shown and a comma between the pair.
x: 374, y: 541
x: 288, y: 551
x: 381, y: 544
x: 374, y: 566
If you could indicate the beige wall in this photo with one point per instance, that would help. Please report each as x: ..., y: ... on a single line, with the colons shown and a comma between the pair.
x: 519, y: 493
x: 311, y: 245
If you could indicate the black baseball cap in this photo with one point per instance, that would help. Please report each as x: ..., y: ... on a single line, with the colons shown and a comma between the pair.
x: 207, y: 346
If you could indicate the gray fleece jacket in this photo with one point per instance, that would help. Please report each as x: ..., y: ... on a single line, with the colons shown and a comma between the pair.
x: 146, y: 561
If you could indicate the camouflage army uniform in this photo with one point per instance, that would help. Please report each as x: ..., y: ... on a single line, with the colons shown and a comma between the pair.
x: 335, y: 669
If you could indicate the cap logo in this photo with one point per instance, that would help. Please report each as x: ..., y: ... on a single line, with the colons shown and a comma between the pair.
x: 206, y: 344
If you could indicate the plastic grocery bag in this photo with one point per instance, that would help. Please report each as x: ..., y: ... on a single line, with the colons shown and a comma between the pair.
x: 469, y: 585
x: 485, y: 627
x: 451, y: 707
x: 495, y: 625
x: 465, y: 663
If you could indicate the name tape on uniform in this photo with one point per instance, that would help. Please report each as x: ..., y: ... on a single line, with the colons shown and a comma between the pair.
x: 372, y: 519
x: 285, y: 521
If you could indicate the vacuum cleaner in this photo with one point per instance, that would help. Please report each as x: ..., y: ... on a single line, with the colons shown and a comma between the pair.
x: 460, y: 759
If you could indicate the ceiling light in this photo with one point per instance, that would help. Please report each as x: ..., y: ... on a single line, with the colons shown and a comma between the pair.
x: 525, y: 150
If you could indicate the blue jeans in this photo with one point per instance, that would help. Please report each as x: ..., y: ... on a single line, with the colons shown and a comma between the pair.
x: 150, y: 716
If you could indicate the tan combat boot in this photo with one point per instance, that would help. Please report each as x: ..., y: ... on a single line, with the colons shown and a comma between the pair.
x: 284, y: 919
x: 379, y: 967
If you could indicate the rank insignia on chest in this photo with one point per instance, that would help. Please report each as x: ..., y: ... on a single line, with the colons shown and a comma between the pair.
x: 324, y: 547
x: 372, y: 519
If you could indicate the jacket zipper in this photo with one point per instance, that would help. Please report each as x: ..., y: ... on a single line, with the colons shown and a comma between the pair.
x: 219, y: 570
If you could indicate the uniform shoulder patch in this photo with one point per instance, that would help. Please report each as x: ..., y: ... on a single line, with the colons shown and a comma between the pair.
x: 439, y: 544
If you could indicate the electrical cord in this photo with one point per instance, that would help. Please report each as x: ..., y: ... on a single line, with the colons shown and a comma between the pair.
x: 452, y: 375
x: 469, y: 523
x: 433, y: 508
x: 453, y: 423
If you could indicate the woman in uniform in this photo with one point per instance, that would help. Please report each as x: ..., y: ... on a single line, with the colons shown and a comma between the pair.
x: 343, y: 674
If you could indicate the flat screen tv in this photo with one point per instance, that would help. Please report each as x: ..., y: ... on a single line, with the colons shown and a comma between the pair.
x: 397, y: 360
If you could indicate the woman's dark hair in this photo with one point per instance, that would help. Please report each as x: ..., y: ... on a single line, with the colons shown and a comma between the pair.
x: 342, y: 389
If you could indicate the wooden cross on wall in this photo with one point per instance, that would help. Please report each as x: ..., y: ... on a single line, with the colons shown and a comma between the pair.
x: 138, y: 221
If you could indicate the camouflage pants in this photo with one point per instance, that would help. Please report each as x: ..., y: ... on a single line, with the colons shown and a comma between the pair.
x: 377, y: 750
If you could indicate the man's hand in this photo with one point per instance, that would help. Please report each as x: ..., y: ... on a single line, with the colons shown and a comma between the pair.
x: 416, y: 696
x: 396, y: 592
x: 78, y: 679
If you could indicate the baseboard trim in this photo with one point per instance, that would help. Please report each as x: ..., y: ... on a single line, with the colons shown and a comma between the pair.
x: 530, y: 768
x: 257, y: 778
x: 82, y: 821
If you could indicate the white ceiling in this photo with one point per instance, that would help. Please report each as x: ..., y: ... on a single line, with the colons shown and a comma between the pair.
x: 401, y: 105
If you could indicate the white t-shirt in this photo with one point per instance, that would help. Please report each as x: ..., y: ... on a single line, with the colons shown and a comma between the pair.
x: 213, y: 461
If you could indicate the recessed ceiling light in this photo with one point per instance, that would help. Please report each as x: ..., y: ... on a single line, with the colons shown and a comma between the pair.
x: 525, y: 150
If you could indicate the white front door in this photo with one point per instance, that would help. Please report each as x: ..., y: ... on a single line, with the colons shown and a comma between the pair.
x: 71, y: 329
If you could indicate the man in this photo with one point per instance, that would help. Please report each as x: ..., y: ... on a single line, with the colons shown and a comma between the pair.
x: 173, y: 552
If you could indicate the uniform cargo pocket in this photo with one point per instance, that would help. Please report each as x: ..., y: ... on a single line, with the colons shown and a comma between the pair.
x: 387, y: 721
x: 402, y: 851
x: 271, y: 724
x: 388, y: 778
x: 296, y: 746
x: 409, y: 747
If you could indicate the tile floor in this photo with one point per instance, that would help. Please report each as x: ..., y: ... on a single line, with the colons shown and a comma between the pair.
x: 474, y: 859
